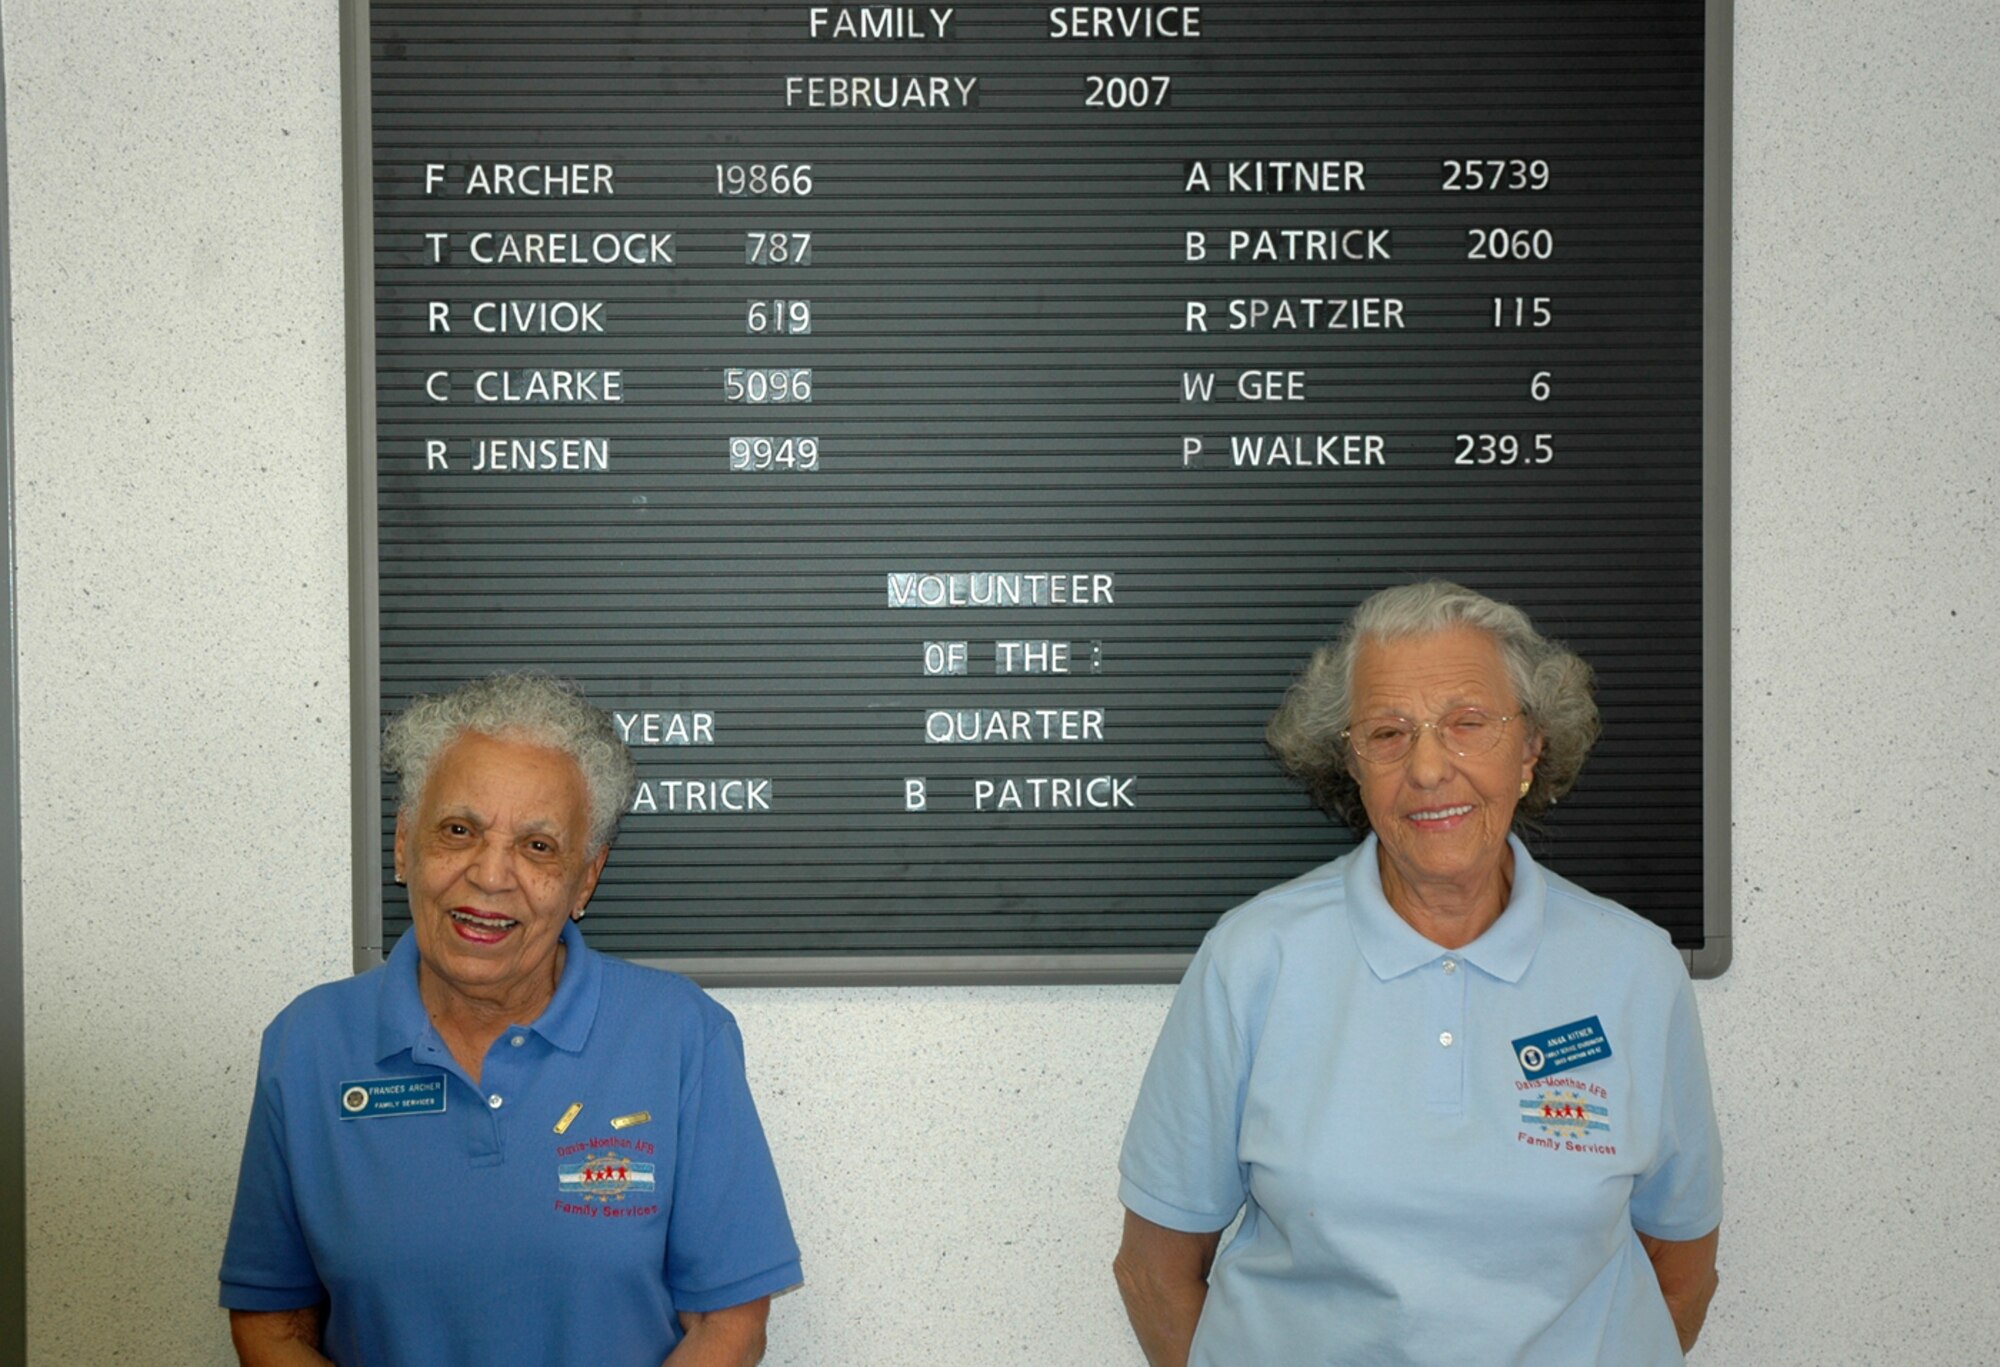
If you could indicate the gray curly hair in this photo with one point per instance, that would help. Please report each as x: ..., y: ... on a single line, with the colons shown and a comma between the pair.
x: 1551, y: 683
x: 528, y: 705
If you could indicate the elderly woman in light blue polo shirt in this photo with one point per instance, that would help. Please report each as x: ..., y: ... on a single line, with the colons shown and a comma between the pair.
x: 1459, y: 1103
x: 502, y: 1148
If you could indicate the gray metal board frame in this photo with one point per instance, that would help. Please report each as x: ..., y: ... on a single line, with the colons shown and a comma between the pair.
x: 363, y: 608
x: 1711, y: 959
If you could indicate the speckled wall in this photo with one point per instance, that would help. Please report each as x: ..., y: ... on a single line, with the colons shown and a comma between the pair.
x: 180, y: 502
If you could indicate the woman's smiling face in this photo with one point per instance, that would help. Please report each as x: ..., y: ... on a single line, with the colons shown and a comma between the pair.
x: 1442, y: 818
x: 496, y: 857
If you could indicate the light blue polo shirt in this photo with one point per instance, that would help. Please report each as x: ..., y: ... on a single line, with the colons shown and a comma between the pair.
x: 1410, y: 1193
x: 488, y: 1226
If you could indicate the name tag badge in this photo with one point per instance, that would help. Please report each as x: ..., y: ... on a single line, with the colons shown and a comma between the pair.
x: 379, y: 1096
x: 1561, y: 1049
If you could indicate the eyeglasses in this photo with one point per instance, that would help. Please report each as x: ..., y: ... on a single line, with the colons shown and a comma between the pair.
x: 1467, y: 732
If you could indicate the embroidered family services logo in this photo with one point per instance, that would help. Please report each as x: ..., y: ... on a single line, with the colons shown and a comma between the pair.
x: 608, y: 1176
x: 1565, y: 1115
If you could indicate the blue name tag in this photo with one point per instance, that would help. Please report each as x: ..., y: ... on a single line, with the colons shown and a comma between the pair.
x: 1561, y: 1049
x: 378, y: 1096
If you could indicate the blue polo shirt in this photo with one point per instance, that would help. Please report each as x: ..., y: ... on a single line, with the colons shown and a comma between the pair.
x: 1425, y: 1175
x: 451, y: 1224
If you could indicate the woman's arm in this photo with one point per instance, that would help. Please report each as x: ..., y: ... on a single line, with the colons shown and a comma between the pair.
x: 1163, y: 1278
x: 277, y: 1338
x: 722, y: 1338
x: 1686, y: 1271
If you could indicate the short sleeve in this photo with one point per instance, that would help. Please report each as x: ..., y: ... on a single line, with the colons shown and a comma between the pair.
x: 729, y: 1239
x: 1680, y: 1195
x: 266, y: 1264
x: 1179, y: 1165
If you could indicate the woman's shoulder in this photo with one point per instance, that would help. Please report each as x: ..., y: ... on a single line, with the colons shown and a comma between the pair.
x: 1599, y: 926
x: 660, y: 992
x: 337, y: 996
x: 1277, y: 918
x: 328, y: 1010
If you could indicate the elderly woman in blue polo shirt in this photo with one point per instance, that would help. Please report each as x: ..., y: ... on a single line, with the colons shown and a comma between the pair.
x: 501, y: 1147
x: 1459, y: 1103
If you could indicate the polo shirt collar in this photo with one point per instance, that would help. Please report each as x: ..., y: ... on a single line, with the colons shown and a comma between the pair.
x: 1393, y: 947
x: 402, y: 1024
x: 566, y: 1023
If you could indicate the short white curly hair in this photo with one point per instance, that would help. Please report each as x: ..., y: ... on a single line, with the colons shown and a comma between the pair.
x: 525, y: 705
x: 1552, y: 684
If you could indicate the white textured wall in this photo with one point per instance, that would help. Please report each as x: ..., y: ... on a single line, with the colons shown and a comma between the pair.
x: 174, y: 177
x: 176, y: 216
x: 1856, y: 1048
